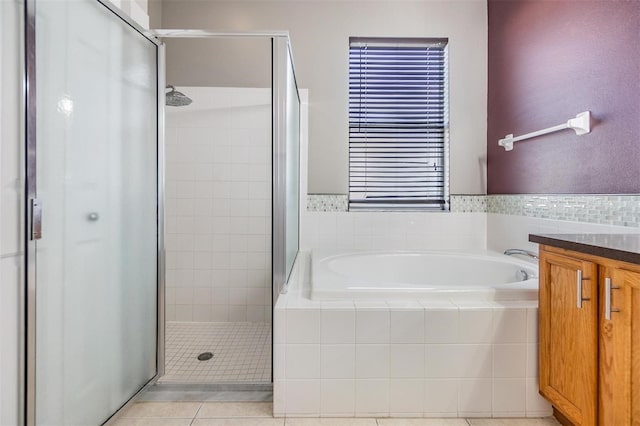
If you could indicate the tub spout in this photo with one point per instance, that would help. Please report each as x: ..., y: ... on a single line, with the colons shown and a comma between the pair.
x: 511, y: 252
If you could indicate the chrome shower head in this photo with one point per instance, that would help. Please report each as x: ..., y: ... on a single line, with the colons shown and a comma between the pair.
x: 175, y: 98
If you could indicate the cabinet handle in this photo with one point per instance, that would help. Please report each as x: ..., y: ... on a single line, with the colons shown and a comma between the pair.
x: 607, y: 299
x: 579, y: 298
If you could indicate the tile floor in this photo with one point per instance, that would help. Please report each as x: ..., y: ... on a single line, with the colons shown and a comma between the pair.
x: 241, y: 352
x: 259, y: 414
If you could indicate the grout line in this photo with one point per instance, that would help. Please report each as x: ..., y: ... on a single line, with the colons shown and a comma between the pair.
x: 197, y: 412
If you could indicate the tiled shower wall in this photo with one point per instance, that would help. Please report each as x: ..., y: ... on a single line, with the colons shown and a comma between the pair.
x: 218, y: 206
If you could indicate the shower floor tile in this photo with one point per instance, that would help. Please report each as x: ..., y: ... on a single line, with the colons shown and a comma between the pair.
x: 241, y: 352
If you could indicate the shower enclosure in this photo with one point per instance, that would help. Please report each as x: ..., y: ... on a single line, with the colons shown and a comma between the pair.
x: 230, y: 159
x: 93, y: 230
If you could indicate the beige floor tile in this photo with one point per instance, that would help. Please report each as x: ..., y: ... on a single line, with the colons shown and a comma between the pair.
x: 547, y: 421
x: 141, y: 421
x: 168, y: 410
x: 327, y: 421
x: 422, y: 422
x: 238, y: 422
x: 235, y: 409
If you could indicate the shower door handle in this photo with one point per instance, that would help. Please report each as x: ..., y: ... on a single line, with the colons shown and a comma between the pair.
x: 36, y: 219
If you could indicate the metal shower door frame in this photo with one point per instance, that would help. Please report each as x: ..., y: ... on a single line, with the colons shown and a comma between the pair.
x: 27, y: 382
x: 281, y: 50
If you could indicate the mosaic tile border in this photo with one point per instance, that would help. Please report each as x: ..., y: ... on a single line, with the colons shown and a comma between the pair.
x: 327, y: 203
x: 340, y: 203
x: 468, y: 203
x: 619, y: 210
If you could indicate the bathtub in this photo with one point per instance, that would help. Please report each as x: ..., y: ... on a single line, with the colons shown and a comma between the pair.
x: 403, y: 275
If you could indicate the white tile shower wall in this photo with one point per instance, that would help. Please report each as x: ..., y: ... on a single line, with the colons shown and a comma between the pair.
x: 218, y: 206
x: 407, y: 359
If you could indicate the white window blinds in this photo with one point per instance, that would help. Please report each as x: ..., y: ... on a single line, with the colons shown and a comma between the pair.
x: 398, y: 124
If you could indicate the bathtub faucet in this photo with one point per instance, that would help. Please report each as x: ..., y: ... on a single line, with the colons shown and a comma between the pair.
x: 511, y: 252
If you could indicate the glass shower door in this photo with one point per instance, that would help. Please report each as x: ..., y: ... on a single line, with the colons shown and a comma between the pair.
x: 97, y: 175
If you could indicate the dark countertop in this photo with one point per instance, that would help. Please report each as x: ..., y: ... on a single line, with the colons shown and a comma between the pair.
x: 623, y: 247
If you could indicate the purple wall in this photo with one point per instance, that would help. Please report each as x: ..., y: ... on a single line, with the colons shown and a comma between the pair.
x: 549, y: 60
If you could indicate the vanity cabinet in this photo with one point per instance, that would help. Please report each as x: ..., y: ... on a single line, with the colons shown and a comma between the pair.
x: 568, y: 352
x: 619, y: 356
x: 589, y: 325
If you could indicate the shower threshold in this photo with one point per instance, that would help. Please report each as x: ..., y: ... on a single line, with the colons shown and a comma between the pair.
x: 227, y: 392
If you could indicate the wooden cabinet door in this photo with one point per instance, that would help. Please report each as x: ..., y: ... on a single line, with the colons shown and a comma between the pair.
x: 619, y: 403
x: 568, y: 336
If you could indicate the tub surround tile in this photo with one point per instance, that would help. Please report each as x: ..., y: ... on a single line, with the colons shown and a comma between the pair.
x: 338, y: 326
x: 443, y: 361
x: 474, y: 397
x: 437, y: 304
x: 468, y: 358
x: 475, y: 325
x: 406, y: 397
x: 279, y: 397
x: 532, y: 360
x: 509, y: 360
x: 364, y: 305
x: 372, y: 361
x: 337, y: 397
x: 279, y: 361
x: 532, y: 325
x: 448, y: 361
x: 338, y: 361
x: 280, y: 322
x: 441, y: 397
x: 340, y: 305
x: 509, y: 398
x: 510, y: 325
x: 407, y: 325
x: 302, y: 361
x: 372, y: 398
x: 406, y: 361
x: 303, y: 325
x: 303, y: 397
x: 535, y: 404
x: 441, y: 325
x: 372, y: 325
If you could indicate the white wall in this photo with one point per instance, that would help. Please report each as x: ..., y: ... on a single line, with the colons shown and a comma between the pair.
x: 11, y: 258
x: 218, y: 206
x: 320, y: 33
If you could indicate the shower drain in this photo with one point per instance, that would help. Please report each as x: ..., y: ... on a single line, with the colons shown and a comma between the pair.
x: 205, y: 356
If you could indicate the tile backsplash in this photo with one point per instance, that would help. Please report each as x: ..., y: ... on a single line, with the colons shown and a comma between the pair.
x: 327, y: 202
x: 218, y: 206
x: 617, y: 210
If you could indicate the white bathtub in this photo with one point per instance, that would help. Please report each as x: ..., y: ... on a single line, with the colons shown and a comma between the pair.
x: 450, y: 275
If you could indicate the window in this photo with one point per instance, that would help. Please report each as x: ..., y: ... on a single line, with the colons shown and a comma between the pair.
x: 398, y: 124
